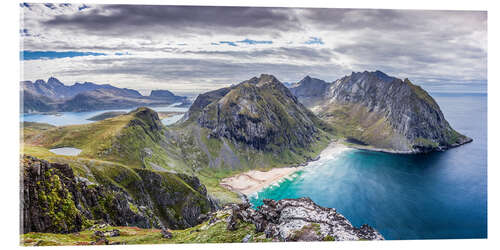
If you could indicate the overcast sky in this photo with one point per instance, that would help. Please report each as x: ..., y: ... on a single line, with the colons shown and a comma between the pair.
x: 190, y: 49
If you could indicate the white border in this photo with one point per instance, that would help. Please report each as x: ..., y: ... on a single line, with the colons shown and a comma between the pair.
x: 9, y: 97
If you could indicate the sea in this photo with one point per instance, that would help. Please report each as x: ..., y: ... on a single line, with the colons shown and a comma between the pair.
x: 440, y: 195
x: 73, y: 118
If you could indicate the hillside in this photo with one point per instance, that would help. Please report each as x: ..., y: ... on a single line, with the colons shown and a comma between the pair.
x: 374, y: 110
x: 255, y: 124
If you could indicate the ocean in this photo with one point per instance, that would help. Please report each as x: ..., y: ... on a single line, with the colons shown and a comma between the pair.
x: 441, y: 195
x: 74, y: 118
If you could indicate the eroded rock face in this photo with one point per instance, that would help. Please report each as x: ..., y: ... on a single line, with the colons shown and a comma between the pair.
x: 54, y: 200
x: 382, y: 111
x: 299, y: 220
x: 260, y: 112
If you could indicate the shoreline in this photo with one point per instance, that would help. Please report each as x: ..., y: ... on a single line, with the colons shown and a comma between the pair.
x: 252, y: 181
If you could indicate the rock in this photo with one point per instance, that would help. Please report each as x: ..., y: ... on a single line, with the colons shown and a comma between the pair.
x: 100, y: 241
x: 300, y: 220
x: 246, y: 238
x: 112, y: 233
x: 99, y: 234
x: 202, y: 217
x: 232, y: 223
x: 166, y: 234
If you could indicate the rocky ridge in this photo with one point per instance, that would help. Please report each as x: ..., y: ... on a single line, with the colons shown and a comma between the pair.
x: 297, y: 220
x: 260, y: 112
x: 381, y: 111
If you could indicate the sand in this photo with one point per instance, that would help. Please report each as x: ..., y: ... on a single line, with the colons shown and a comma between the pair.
x: 252, y: 181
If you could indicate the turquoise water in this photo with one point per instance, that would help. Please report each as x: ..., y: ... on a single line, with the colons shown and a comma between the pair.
x: 440, y: 195
x: 73, y: 118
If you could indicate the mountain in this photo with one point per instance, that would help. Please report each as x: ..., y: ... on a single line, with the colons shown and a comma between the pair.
x: 260, y: 112
x: 53, y: 95
x: 309, y: 87
x: 56, y: 90
x: 255, y: 123
x: 378, y: 111
x: 35, y: 103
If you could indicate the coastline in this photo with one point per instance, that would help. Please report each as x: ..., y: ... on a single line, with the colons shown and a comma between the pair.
x: 252, y: 181
x: 391, y: 151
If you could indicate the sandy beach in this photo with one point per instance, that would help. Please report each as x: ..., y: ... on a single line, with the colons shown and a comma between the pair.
x: 254, y: 180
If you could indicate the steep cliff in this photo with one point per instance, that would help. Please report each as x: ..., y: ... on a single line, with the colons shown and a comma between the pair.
x: 377, y: 110
x: 257, y: 123
x: 54, y: 199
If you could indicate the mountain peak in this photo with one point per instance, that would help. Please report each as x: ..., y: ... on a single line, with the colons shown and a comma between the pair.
x: 54, y: 81
x: 265, y: 116
x: 39, y: 81
x: 267, y: 79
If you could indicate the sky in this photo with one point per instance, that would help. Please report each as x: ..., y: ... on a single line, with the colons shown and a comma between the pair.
x: 191, y: 49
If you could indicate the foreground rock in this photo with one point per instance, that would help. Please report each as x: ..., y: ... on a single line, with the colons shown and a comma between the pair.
x: 298, y: 220
x: 54, y: 200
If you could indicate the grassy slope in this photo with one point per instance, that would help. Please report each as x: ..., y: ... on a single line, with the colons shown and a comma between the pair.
x: 355, y: 121
x: 202, y: 233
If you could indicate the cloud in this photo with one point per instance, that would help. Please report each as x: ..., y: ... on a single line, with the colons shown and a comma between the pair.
x: 126, y: 20
x: 200, y: 48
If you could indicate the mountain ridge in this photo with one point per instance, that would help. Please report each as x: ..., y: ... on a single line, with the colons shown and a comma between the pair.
x: 53, y: 95
x: 385, y: 112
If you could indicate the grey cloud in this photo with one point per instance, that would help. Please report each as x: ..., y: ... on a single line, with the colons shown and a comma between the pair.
x: 222, y: 72
x: 128, y: 19
x: 293, y: 53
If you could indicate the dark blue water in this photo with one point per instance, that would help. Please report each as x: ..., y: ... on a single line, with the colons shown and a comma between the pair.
x: 440, y: 195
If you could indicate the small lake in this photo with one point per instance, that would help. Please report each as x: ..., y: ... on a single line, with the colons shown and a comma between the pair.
x: 66, y: 151
x: 74, y: 118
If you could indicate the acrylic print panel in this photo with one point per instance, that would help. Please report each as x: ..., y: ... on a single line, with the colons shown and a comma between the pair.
x: 186, y: 124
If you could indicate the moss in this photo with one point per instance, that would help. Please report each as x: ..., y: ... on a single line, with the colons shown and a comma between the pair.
x: 202, y: 233
x: 424, y: 142
x: 57, y: 203
x: 329, y: 238
x: 133, y: 208
x: 314, y: 227
x: 422, y: 94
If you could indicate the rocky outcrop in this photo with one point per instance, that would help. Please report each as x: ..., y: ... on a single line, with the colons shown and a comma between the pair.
x: 382, y: 111
x: 260, y: 112
x: 298, y: 220
x: 54, y: 200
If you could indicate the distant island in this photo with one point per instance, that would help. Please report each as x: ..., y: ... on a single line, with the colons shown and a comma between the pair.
x: 53, y: 96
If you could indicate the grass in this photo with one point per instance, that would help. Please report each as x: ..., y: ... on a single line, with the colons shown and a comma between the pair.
x: 202, y: 233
